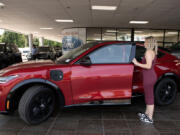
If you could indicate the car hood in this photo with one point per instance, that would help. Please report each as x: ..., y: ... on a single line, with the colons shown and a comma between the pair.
x: 27, y: 65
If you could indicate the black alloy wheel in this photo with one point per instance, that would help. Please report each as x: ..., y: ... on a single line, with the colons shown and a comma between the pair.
x: 165, y: 92
x: 37, y: 104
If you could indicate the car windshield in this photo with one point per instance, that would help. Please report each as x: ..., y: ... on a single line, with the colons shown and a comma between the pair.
x: 43, y: 49
x: 68, y: 57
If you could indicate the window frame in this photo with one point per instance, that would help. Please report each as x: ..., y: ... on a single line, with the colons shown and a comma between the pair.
x: 131, y: 44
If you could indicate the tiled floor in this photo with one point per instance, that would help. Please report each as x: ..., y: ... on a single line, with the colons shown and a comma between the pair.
x: 99, y: 120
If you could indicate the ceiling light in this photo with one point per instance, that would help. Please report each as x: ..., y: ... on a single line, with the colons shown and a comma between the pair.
x: 172, y: 32
x: 46, y: 28
x: 62, y: 20
x: 97, y: 39
x: 111, y: 31
x: 2, y: 4
x: 139, y: 22
x: 111, y: 8
x: 138, y: 31
x: 59, y: 35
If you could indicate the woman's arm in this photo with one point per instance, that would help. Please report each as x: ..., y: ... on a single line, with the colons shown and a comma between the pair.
x: 149, y: 59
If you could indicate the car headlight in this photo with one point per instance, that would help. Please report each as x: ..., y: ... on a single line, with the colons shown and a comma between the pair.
x: 7, y: 78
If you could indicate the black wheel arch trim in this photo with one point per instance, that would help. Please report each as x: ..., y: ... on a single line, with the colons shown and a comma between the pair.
x: 169, y: 74
x: 61, y: 99
x: 33, y: 81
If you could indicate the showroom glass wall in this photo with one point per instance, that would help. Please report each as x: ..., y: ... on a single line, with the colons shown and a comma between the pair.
x: 165, y: 38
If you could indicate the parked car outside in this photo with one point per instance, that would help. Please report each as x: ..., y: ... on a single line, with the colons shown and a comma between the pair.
x: 46, y: 52
x: 175, y: 49
x: 24, y: 53
x: 98, y: 71
x: 58, y: 50
x: 29, y: 56
x: 9, y: 54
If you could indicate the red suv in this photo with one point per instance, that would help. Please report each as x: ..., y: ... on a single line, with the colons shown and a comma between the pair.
x: 99, y: 71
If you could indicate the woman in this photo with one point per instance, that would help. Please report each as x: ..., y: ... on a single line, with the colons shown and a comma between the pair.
x: 149, y: 77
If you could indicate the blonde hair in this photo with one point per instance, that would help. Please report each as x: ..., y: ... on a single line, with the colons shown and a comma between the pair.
x: 152, y: 44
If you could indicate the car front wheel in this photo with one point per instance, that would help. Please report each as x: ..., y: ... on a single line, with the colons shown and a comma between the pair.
x: 36, y: 104
x: 165, y: 92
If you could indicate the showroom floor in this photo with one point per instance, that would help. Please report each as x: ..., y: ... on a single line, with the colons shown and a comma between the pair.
x: 99, y: 120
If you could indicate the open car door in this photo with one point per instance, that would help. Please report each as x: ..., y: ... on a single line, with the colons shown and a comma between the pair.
x: 105, y: 73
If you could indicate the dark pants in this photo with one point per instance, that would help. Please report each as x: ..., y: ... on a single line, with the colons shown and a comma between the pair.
x: 34, y: 57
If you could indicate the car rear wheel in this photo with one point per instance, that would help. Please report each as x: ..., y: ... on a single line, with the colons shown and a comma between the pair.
x: 36, y: 104
x: 165, y: 92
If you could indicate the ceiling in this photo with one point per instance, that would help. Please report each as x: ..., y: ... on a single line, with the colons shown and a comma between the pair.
x: 28, y: 16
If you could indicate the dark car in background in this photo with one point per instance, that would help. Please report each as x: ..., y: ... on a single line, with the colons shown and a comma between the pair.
x: 58, y: 50
x: 46, y: 52
x: 175, y: 49
x: 9, y: 54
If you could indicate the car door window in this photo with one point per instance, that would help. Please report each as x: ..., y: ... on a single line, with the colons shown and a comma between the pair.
x: 140, y: 50
x: 115, y: 53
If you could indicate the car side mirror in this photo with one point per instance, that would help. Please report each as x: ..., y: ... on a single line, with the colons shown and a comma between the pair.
x: 85, y: 61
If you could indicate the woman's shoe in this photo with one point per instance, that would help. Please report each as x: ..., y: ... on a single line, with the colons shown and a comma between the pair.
x: 141, y: 115
x: 147, y: 120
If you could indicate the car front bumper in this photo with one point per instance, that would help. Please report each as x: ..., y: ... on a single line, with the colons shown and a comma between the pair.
x: 3, y: 96
x: 5, y: 89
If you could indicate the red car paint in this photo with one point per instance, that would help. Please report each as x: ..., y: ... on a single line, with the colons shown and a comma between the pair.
x: 83, y: 84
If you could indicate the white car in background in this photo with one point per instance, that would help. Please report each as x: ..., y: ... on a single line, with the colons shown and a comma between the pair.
x: 24, y: 53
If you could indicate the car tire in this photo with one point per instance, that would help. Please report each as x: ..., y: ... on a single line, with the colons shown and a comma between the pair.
x: 36, y: 104
x: 165, y: 92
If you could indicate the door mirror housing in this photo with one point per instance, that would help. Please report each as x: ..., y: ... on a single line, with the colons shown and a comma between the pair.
x: 85, y: 61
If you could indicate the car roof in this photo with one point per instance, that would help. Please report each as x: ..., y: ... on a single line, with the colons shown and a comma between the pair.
x: 95, y: 43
